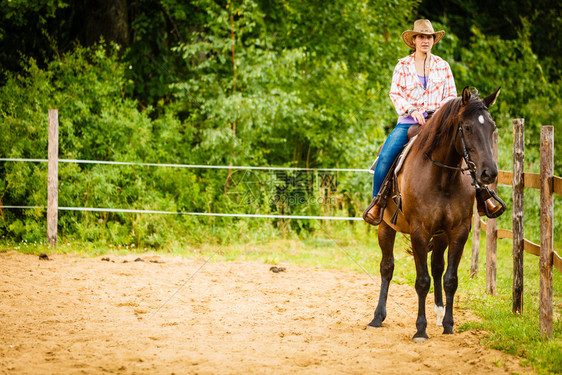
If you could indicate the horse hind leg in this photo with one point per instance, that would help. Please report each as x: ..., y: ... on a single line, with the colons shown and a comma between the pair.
x: 438, y: 245
x: 450, y: 283
x: 386, y: 236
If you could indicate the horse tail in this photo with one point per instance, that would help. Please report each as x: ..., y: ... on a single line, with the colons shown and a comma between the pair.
x: 430, y: 247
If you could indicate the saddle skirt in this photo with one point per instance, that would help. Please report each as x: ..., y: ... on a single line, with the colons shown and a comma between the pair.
x: 403, y: 154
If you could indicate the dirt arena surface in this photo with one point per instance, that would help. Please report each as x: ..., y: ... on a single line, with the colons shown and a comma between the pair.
x: 73, y: 315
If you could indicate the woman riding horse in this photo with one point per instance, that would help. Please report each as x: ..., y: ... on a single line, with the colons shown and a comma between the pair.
x: 436, y: 200
x: 433, y: 197
x: 421, y: 83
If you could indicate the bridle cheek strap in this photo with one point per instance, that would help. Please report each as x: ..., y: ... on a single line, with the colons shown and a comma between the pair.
x: 466, y: 156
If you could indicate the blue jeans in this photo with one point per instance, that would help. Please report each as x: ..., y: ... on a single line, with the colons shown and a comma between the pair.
x: 395, y: 142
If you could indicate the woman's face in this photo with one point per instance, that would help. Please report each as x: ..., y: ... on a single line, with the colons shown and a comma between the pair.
x: 423, y: 43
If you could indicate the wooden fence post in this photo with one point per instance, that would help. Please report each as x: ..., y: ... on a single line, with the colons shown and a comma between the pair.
x: 547, y: 213
x: 492, y: 238
x: 475, y: 242
x: 52, y: 178
x: 517, y: 213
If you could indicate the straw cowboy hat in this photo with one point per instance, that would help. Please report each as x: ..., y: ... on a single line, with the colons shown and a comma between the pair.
x: 421, y: 27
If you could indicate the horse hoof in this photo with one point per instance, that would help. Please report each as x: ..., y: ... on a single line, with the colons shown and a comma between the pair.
x: 420, y: 337
x: 374, y: 324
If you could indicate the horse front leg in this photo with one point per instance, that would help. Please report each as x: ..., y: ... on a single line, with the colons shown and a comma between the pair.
x: 386, y: 236
x: 437, y: 268
x: 423, y: 282
x: 451, y: 280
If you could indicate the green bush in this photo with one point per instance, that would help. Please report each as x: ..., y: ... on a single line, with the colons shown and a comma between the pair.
x: 256, y: 84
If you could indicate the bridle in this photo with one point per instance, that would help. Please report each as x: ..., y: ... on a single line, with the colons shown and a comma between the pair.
x: 470, y: 165
x: 482, y: 192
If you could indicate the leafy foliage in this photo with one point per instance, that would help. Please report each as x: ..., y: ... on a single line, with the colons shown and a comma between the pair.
x: 238, y: 82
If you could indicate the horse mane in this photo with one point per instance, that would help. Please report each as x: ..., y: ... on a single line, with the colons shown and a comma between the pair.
x: 442, y: 126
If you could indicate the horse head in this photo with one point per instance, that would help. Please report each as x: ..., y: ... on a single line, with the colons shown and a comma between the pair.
x: 476, y: 127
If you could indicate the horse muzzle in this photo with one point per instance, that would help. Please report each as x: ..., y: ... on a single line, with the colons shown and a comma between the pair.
x: 487, y: 175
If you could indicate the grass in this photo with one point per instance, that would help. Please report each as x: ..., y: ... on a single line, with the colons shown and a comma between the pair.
x: 515, y: 334
x: 354, y: 247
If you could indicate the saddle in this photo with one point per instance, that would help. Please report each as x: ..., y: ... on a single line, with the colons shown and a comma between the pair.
x: 389, y: 185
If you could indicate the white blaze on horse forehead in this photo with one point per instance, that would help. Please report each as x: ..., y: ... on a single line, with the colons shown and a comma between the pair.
x: 481, y: 119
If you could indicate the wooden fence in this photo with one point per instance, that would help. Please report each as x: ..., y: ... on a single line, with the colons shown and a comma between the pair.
x: 548, y: 185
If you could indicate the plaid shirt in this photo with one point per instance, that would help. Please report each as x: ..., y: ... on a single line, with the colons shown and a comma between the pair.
x: 407, y: 91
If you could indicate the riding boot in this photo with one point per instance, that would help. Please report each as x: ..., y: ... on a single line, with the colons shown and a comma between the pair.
x: 486, y: 203
x: 373, y: 213
x: 491, y: 207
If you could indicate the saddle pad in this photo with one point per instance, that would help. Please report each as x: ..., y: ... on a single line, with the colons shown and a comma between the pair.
x: 403, y: 155
x: 372, y: 169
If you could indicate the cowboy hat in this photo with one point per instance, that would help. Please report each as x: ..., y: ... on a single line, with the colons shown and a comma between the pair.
x: 421, y: 27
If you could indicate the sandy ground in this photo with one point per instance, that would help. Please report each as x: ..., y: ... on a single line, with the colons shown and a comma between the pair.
x: 171, y: 315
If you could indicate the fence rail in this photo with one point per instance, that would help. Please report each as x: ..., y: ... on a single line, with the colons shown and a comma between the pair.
x: 531, y: 180
x: 530, y: 247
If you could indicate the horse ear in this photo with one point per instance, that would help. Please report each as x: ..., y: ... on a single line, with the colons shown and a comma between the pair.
x: 490, y: 100
x: 465, y: 95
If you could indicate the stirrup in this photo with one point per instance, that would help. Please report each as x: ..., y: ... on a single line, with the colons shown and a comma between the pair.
x: 501, y: 203
x: 369, y: 218
x: 483, y: 195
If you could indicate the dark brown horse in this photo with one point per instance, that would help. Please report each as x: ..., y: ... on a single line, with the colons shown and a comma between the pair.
x: 437, y: 200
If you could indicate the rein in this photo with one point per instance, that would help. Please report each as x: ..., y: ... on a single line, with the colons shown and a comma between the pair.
x: 470, y: 166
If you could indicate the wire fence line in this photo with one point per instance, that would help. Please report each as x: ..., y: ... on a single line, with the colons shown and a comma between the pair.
x: 133, y: 211
x: 194, y: 166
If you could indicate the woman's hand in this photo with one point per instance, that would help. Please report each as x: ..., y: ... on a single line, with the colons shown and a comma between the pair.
x: 418, y: 116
